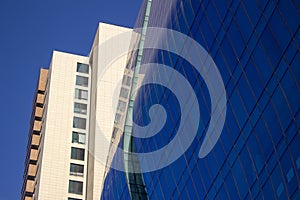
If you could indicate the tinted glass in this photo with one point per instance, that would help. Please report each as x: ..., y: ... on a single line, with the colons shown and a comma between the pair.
x: 80, y: 108
x: 79, y: 123
x: 81, y: 94
x: 83, y: 68
x: 78, y: 137
x: 77, y: 153
x: 82, y: 81
x: 76, y: 169
x: 75, y: 187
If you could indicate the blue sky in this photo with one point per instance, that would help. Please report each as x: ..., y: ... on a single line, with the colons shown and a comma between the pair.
x: 30, y: 30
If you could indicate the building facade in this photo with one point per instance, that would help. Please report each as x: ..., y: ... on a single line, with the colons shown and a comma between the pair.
x: 255, y: 46
x: 74, y: 101
x: 30, y: 165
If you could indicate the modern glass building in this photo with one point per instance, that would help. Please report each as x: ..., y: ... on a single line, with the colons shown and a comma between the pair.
x: 255, y: 46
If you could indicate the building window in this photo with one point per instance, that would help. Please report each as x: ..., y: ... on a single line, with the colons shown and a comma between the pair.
x: 73, y: 198
x: 78, y: 137
x: 77, y: 153
x: 117, y: 118
x: 79, y: 123
x: 83, y: 68
x: 81, y: 94
x: 76, y: 170
x: 114, y: 133
x: 75, y: 187
x: 124, y: 93
x: 80, y: 108
x: 121, y: 106
x: 82, y: 81
x: 126, y: 80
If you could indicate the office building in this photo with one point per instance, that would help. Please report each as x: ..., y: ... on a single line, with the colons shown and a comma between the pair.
x: 255, y: 47
x: 73, y: 101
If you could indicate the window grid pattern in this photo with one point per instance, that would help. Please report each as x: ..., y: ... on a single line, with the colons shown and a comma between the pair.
x: 81, y: 122
x: 255, y: 44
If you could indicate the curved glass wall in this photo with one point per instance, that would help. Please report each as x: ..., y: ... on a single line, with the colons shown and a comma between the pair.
x: 255, y: 45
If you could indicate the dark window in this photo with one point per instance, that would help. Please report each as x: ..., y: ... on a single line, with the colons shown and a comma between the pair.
x: 78, y: 137
x: 124, y: 92
x: 80, y: 108
x: 79, y: 123
x: 77, y: 153
x: 121, y: 106
x: 81, y: 94
x: 82, y: 81
x: 117, y: 118
x: 73, y: 198
x: 114, y: 132
x: 76, y: 170
x: 75, y: 187
x: 126, y: 80
x: 83, y: 68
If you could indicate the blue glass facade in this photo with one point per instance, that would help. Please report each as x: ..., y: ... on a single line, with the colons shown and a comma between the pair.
x: 255, y: 45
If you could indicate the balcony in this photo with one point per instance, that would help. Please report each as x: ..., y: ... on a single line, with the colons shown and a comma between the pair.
x: 37, y: 125
x: 34, y: 154
x: 30, y: 186
x: 35, y: 140
x: 38, y: 112
x: 43, y: 79
x: 28, y: 198
x: 40, y: 98
x: 32, y: 170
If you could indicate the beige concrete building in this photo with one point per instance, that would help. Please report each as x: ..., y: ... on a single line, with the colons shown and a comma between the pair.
x: 72, y: 121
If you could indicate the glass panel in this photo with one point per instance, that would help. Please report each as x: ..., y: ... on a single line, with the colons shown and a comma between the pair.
x: 75, y: 187
x: 121, y: 106
x: 126, y: 80
x: 81, y: 94
x: 117, y: 118
x: 84, y: 94
x: 124, y: 92
x: 79, y: 123
x: 77, y: 153
x: 78, y: 138
x: 83, y: 68
x: 82, y: 81
x: 80, y: 108
x: 76, y: 170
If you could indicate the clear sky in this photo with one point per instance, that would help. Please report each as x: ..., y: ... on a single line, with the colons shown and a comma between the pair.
x: 29, y: 31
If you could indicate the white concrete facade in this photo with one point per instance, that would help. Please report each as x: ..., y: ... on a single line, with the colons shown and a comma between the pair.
x: 54, y: 160
x: 106, y: 85
x: 53, y: 173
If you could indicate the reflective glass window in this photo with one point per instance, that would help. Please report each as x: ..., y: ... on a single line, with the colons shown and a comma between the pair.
x: 81, y: 94
x: 79, y: 122
x: 78, y: 137
x: 82, y: 81
x: 77, y: 153
x: 76, y: 169
x: 83, y: 68
x: 80, y: 108
x: 75, y: 187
